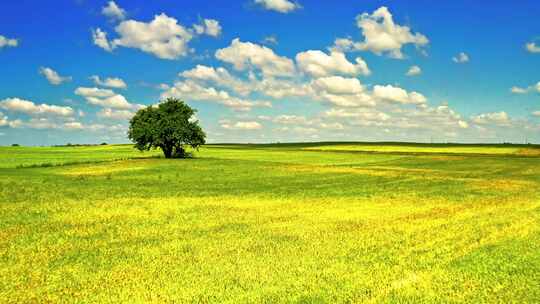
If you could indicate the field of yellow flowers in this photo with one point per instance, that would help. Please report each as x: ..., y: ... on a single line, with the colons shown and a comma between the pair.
x: 293, y: 223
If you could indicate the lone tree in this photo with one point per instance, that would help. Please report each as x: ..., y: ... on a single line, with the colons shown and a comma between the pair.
x: 169, y: 126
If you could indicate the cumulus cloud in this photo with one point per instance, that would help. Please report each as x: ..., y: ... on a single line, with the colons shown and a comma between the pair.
x: 531, y: 47
x: 331, y: 126
x: 317, y: 63
x: 8, y: 42
x: 219, y: 76
x: 3, y: 120
x: 73, y: 125
x: 162, y: 37
x: 341, y: 91
x: 518, y: 90
x: 382, y: 35
x: 30, y: 108
x: 338, y: 85
x: 291, y: 119
x: 496, y: 118
x: 113, y: 11
x: 272, y: 39
x: 536, y: 113
x: 461, y: 58
x: 191, y: 90
x: 110, y: 82
x: 209, y: 27
x: 414, y: 71
x: 531, y: 88
x: 100, y: 39
x: 43, y: 123
x: 281, y: 6
x: 440, y: 119
x: 240, y: 125
x: 281, y: 88
x: 247, y: 55
x: 106, y: 98
x: 52, y: 76
x: 399, y: 95
x: 115, y: 114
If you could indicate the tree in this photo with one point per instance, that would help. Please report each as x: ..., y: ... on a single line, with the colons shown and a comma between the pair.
x: 169, y: 126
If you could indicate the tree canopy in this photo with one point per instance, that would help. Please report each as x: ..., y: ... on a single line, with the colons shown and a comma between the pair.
x: 170, y: 125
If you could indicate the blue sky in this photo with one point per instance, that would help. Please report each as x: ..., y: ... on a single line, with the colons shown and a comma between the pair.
x: 272, y: 70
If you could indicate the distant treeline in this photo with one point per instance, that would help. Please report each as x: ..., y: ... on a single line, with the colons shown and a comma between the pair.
x: 80, y: 145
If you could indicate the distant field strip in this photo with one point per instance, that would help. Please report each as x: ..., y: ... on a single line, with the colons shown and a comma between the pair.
x: 485, y: 150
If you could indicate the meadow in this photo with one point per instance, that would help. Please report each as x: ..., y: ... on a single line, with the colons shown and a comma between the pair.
x: 282, y: 223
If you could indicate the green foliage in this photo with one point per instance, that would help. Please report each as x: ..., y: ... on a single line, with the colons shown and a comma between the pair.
x: 168, y: 126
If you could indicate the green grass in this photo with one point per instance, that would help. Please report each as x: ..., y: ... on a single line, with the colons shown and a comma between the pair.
x: 430, y: 148
x: 269, y: 224
x: 12, y: 157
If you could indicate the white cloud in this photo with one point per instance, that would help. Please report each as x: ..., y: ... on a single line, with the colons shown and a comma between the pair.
x: 291, y: 119
x: 52, y: 76
x: 414, y: 71
x: 332, y: 126
x: 191, y: 90
x: 113, y: 11
x: 209, y: 27
x: 272, y: 39
x: 301, y: 130
x: 240, y: 125
x: 117, y: 101
x: 399, y: 95
x: 382, y: 35
x: 536, y: 113
x: 106, y: 98
x: 363, y: 113
x: 115, y: 114
x: 461, y: 58
x: 338, y: 85
x: 100, y: 39
x: 111, y: 82
x: 73, y: 125
x: 496, y: 118
x: 434, y: 119
x: 532, y: 47
x: 30, y: 108
x: 43, y: 123
x: 341, y: 91
x: 7, y: 42
x: 3, y: 120
x: 162, y: 37
x: 247, y: 55
x: 531, y: 88
x: 317, y: 63
x: 94, y: 92
x: 281, y: 88
x: 282, y: 6
x: 34, y: 123
x: 518, y: 90
x: 219, y: 76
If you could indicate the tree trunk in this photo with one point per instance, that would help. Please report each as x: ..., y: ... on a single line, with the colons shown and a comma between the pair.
x: 167, y: 150
x: 180, y: 152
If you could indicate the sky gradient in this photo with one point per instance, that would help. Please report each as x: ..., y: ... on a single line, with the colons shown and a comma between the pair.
x: 273, y: 70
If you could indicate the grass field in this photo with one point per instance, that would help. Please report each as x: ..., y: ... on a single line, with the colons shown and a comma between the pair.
x: 289, y: 223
